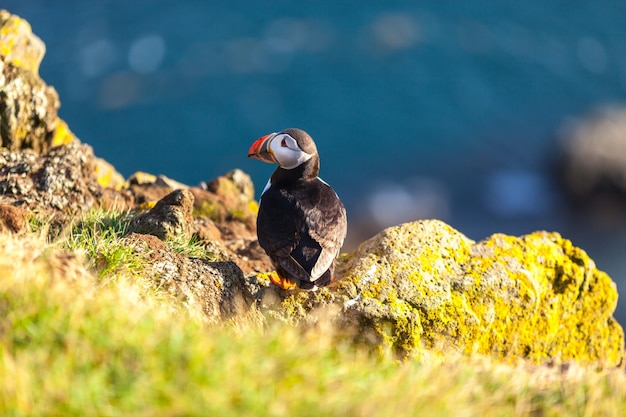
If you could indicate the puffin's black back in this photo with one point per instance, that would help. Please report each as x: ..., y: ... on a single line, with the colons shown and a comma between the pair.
x: 301, y: 222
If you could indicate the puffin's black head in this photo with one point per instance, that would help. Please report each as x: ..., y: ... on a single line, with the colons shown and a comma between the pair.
x: 303, y: 139
x: 290, y: 149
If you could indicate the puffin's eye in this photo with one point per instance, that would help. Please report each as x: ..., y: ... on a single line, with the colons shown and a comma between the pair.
x: 283, y: 143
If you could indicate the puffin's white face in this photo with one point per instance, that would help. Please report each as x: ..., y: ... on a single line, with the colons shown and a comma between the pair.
x: 286, y: 151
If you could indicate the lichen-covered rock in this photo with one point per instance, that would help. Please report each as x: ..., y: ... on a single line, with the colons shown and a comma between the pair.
x: 540, y: 297
x: 60, y: 180
x: 28, y: 107
x: 18, y: 43
x: 424, y: 285
x: 215, y: 291
x: 170, y: 217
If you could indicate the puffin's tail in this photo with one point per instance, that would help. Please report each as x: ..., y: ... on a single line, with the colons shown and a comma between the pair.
x: 322, y: 281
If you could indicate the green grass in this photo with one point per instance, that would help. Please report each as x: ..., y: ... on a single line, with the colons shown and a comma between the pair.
x: 72, y: 343
x: 98, y: 234
x: 191, y: 247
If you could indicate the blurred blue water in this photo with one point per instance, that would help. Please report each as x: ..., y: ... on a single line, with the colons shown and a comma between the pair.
x: 427, y: 109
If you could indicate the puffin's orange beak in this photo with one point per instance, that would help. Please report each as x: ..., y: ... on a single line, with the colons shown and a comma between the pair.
x: 260, y: 150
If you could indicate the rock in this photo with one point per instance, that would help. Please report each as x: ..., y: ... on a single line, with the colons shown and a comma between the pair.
x: 206, y: 229
x: 170, y: 217
x: 215, y: 291
x: 226, y: 229
x: 28, y: 107
x: 12, y: 219
x: 228, y: 198
x: 249, y: 255
x: 59, y: 183
x: 225, y: 209
x: 424, y: 285
x: 61, y: 180
x: 107, y: 176
x: 236, y: 180
x: 147, y: 189
x: 142, y: 178
x: 18, y: 44
x: 593, y: 160
x: 62, y: 134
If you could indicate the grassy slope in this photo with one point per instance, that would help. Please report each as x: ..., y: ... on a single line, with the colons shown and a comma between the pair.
x: 88, y: 335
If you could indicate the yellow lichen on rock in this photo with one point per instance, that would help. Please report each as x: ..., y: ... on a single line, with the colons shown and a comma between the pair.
x: 381, y: 280
x: 107, y: 176
x: 536, y: 297
x: 62, y: 133
x: 424, y: 289
x: 401, y: 279
x: 557, y: 305
x: 142, y: 178
x: 18, y: 43
x: 28, y: 110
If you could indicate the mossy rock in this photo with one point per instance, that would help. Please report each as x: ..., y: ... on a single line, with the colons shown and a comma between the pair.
x: 425, y: 287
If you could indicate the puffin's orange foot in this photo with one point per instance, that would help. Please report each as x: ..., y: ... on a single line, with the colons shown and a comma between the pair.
x: 281, y: 282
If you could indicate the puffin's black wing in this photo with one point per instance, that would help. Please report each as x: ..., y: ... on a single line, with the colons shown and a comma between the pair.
x: 326, y: 224
x: 279, y: 228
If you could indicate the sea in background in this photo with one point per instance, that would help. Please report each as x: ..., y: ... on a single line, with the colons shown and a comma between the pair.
x: 449, y: 110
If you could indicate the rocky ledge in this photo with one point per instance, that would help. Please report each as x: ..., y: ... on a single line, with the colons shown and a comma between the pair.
x: 417, y: 289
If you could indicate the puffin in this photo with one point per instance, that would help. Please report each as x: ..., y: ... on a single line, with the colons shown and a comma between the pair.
x: 301, y: 222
